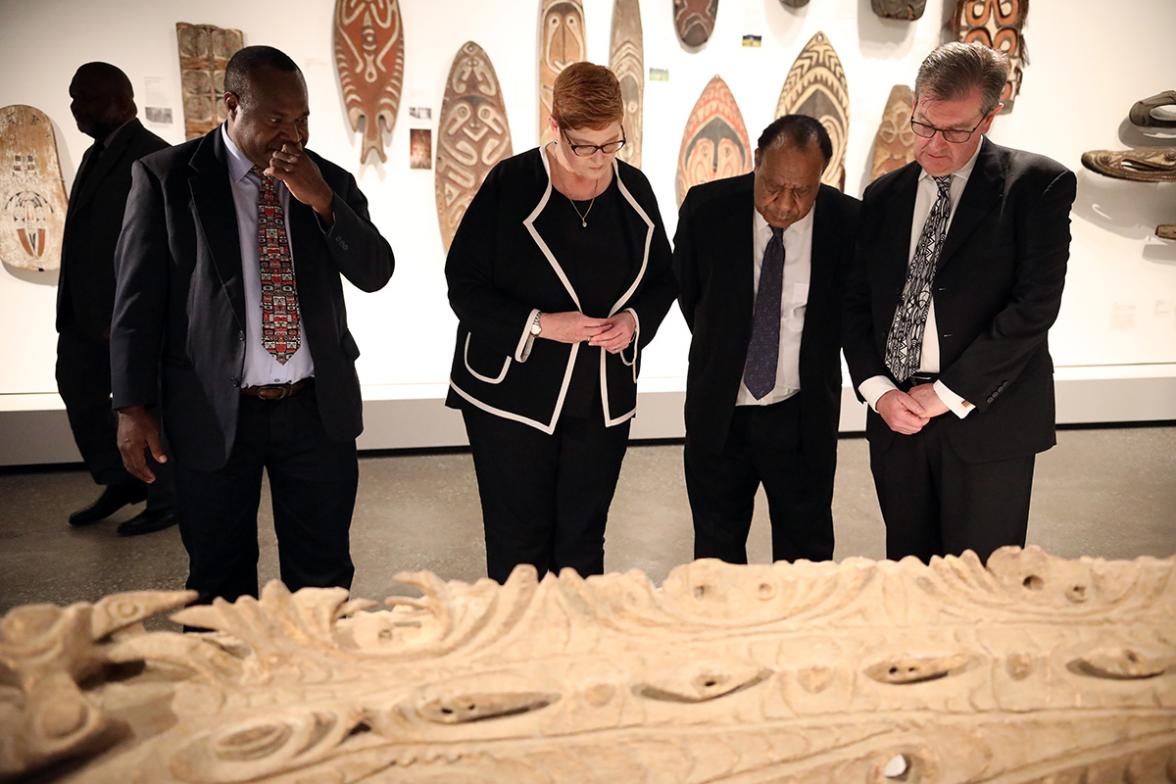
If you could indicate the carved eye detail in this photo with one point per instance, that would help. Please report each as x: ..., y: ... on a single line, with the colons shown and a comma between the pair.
x: 465, y: 708
x: 904, y: 671
x: 707, y: 683
x: 1122, y: 664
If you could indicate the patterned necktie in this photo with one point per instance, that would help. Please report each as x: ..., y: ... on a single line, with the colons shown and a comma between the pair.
x: 280, y: 332
x: 763, y: 350
x: 904, y: 344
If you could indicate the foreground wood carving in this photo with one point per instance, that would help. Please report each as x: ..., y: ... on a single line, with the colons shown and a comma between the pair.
x: 1033, y: 669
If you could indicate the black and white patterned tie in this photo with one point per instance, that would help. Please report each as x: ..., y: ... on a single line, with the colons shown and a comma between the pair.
x: 763, y: 350
x: 904, y: 344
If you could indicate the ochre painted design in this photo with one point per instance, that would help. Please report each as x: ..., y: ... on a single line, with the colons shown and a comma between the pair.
x: 369, y: 56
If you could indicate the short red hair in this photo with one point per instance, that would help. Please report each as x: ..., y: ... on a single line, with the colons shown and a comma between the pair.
x: 586, y: 96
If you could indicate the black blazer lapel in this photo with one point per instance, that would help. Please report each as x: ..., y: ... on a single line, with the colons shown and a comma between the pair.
x: 895, y: 241
x: 215, y: 214
x: 822, y: 267
x: 741, y: 278
x: 106, y: 162
x: 984, y: 189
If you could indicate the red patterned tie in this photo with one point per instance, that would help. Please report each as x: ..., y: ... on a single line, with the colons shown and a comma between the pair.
x: 280, y: 332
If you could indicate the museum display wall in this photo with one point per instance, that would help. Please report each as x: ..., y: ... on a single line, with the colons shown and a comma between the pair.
x: 1114, y: 342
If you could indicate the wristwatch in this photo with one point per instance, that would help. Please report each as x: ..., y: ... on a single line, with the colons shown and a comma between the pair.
x: 536, y: 328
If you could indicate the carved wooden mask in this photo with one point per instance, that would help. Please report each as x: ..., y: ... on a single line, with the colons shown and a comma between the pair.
x: 369, y: 56
x: 894, y: 145
x: 627, y: 62
x: 997, y: 23
x: 694, y: 20
x: 899, y: 9
x: 715, y: 143
x: 815, y: 86
x: 561, y: 43
x: 32, y: 196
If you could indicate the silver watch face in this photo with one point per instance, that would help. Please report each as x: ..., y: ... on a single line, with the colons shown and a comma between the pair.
x: 535, y: 328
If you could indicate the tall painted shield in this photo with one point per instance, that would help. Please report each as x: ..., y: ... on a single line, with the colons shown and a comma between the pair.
x: 694, y: 21
x: 32, y: 196
x: 472, y: 135
x: 998, y: 24
x: 625, y: 59
x: 894, y: 144
x: 369, y: 56
x: 205, y: 50
x: 714, y: 144
x: 561, y: 43
x: 815, y: 86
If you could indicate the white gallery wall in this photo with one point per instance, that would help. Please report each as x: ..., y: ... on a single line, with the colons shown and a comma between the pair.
x: 1088, y: 63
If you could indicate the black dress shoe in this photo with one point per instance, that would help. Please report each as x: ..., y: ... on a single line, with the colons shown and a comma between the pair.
x: 113, y: 498
x: 147, y: 521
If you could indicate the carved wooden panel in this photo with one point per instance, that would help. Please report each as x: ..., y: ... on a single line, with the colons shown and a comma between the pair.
x: 899, y: 9
x: 1034, y: 669
x: 205, y: 50
x: 369, y: 56
x: 32, y: 195
x: 694, y: 21
x: 1139, y: 165
x: 714, y: 144
x: 815, y: 86
x: 561, y: 43
x: 997, y: 23
x: 794, y: 3
x: 472, y: 135
x: 894, y: 144
x: 625, y: 59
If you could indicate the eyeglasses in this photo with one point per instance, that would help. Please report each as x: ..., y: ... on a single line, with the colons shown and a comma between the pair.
x: 587, y: 150
x: 953, y: 135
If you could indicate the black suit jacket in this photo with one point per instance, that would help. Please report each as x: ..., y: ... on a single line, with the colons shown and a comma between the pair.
x: 997, y: 290
x: 713, y: 249
x: 85, y: 287
x: 178, y: 335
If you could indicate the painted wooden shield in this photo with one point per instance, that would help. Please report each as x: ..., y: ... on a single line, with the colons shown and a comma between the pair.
x: 626, y: 61
x: 369, y: 56
x: 816, y: 86
x: 894, y: 145
x: 899, y: 9
x: 694, y: 20
x: 32, y: 196
x: 561, y: 43
x: 715, y: 143
x: 997, y: 23
x: 472, y: 135
x: 204, y: 52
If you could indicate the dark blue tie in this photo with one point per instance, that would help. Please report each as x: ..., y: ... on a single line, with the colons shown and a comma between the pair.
x: 763, y: 351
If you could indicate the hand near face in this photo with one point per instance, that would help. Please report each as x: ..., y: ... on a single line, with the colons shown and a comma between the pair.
x: 294, y: 167
x: 618, y: 333
x: 901, y: 412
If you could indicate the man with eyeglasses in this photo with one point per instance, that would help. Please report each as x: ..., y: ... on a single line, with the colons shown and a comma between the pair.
x: 957, y: 279
x: 229, y: 318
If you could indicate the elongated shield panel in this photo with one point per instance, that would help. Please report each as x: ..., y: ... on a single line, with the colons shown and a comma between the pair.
x: 32, y: 196
x: 997, y: 23
x: 625, y: 59
x: 369, y: 56
x: 894, y: 144
x: 561, y: 43
x: 694, y: 21
x: 205, y: 50
x: 714, y: 144
x: 473, y: 135
x: 815, y: 86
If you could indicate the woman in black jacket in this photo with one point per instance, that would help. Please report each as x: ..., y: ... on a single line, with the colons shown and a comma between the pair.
x: 559, y: 275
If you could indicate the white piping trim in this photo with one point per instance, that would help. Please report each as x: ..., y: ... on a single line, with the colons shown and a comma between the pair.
x: 466, y: 359
x: 648, y: 239
x: 523, y: 348
x: 547, y: 428
x: 529, y: 222
x: 636, y: 344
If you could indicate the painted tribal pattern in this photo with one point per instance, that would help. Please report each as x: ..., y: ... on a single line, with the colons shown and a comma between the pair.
x: 369, y: 56
x: 815, y: 86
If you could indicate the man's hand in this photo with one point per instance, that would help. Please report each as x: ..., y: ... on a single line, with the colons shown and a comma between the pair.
x: 618, y: 335
x: 138, y: 431
x: 570, y: 326
x: 294, y: 167
x: 926, y: 396
x: 901, y: 412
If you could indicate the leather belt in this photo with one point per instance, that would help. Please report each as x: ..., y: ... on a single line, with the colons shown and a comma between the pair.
x: 277, y: 391
x: 918, y: 378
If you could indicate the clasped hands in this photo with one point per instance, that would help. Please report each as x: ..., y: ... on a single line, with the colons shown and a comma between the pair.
x: 613, y: 334
x: 908, y: 412
x: 303, y: 178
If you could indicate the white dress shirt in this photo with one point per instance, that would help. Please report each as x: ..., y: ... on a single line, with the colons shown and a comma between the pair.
x: 926, y: 193
x: 261, y: 367
x: 798, y: 252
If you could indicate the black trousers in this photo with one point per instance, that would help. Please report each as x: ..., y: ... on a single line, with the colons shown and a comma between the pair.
x: 83, y: 380
x: 313, y: 481
x: 763, y: 446
x: 934, y: 503
x: 545, y: 498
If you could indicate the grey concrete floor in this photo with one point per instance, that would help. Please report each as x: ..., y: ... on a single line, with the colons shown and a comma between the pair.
x: 1107, y: 493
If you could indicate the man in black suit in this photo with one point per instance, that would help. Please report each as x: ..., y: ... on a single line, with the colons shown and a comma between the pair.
x: 957, y: 280
x: 760, y: 261
x: 104, y: 107
x: 229, y: 319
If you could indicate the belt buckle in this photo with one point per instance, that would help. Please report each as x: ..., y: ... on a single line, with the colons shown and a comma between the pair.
x: 274, y: 392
